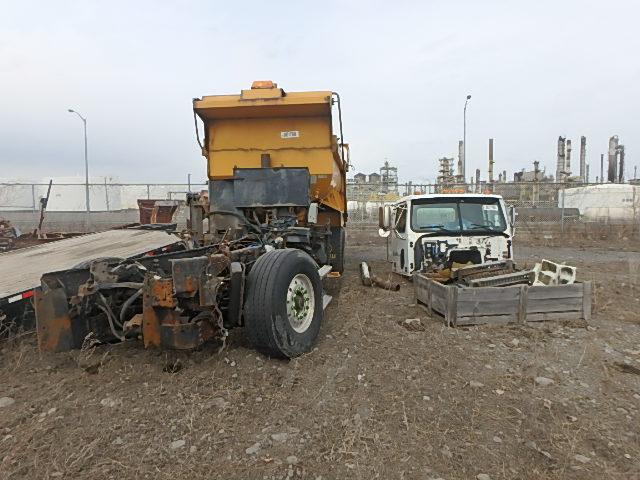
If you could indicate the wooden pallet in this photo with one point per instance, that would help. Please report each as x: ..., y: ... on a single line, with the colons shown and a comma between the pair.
x: 500, y: 305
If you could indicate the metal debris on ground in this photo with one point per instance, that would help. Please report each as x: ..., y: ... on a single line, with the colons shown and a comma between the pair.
x: 467, y: 273
x: 11, y: 238
x: 369, y: 279
x: 8, y: 235
x: 504, y: 279
x: 504, y: 273
x: 412, y: 324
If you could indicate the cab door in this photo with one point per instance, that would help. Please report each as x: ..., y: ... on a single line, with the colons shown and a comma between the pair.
x: 401, y: 256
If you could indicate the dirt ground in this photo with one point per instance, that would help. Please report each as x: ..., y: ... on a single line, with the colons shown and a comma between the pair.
x: 375, y: 399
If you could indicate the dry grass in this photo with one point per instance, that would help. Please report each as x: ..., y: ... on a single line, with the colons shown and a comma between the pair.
x: 374, y: 400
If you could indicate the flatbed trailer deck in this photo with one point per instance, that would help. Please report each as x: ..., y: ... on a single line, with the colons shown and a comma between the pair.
x: 21, y: 270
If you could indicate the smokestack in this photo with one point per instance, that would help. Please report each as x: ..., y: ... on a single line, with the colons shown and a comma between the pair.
x: 586, y: 173
x: 601, y: 167
x: 583, y: 159
x: 499, y: 178
x: 478, y: 180
x: 504, y: 176
x: 612, y: 173
x: 491, y: 160
x: 567, y: 161
x: 536, y: 170
x: 560, y: 161
x: 460, y: 160
x: 621, y: 157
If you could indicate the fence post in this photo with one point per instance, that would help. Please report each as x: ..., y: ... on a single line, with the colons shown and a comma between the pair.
x: 148, y: 192
x: 636, y: 219
x: 33, y: 196
x: 106, y: 192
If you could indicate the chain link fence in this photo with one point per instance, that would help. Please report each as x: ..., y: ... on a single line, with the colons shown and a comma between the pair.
x: 545, y: 210
x: 103, y: 197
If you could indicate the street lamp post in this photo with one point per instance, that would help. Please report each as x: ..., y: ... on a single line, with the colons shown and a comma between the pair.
x: 86, y: 161
x: 464, y: 138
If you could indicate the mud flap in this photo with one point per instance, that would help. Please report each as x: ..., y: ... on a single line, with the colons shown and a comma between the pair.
x: 53, y: 323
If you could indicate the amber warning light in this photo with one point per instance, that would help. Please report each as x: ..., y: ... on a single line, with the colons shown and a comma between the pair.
x: 263, y: 84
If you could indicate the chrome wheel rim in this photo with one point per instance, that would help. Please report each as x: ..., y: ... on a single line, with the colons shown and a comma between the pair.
x: 301, y: 303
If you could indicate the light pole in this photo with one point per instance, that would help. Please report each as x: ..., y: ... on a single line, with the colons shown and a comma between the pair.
x: 464, y: 138
x: 86, y: 160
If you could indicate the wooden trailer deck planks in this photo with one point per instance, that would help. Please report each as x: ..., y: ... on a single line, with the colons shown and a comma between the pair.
x: 20, y: 270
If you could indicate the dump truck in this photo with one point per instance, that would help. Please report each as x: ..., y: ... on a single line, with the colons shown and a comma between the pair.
x: 259, y: 241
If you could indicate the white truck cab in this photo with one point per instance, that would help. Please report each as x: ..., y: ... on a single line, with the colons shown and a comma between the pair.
x: 442, y: 229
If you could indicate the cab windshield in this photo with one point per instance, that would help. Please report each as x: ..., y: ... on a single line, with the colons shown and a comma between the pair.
x: 459, y: 215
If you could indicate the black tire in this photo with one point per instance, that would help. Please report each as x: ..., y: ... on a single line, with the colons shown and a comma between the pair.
x: 336, y: 253
x: 267, y: 323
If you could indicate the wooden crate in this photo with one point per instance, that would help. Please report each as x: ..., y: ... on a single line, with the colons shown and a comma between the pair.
x: 515, y: 304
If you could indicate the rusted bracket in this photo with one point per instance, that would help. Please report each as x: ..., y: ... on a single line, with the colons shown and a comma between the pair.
x: 53, y: 323
x: 162, y: 324
x: 158, y: 307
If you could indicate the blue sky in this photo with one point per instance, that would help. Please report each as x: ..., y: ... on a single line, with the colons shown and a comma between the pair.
x: 536, y: 70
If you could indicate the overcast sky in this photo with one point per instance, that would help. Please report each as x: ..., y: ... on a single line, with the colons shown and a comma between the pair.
x: 535, y: 69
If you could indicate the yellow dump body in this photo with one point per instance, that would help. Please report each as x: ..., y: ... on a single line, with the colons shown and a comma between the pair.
x: 294, y: 129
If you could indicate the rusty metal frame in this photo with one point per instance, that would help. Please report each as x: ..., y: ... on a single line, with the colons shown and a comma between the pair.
x: 179, y: 291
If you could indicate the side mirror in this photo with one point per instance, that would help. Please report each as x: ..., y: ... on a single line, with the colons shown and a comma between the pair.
x: 384, y: 217
x: 512, y: 216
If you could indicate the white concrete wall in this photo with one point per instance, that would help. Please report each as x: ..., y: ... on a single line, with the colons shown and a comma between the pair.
x: 68, y: 194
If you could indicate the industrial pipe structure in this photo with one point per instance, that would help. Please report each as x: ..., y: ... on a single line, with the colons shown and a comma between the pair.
x: 583, y: 158
x: 620, y: 152
x: 612, y: 173
x: 560, y: 159
x: 460, y: 161
x: 491, y: 162
x: 464, y: 138
x: 602, y: 168
x: 567, y: 161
